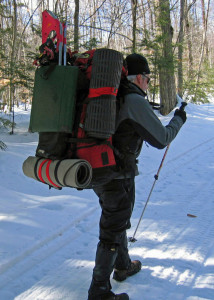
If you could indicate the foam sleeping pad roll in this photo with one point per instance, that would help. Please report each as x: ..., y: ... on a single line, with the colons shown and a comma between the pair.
x: 75, y: 173
x: 105, y: 79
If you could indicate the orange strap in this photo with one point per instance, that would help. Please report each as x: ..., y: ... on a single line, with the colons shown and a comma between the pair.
x: 102, y: 91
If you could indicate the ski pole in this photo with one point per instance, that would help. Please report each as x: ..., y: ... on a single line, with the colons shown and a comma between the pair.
x: 65, y: 43
x: 133, y: 239
x: 60, y: 43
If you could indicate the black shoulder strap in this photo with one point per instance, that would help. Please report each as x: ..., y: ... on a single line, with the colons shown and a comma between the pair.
x: 127, y: 87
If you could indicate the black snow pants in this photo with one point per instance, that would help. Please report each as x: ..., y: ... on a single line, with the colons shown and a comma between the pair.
x: 117, y: 202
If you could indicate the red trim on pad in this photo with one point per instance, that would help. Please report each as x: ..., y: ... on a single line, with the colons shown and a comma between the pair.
x: 48, y: 174
x: 40, y: 170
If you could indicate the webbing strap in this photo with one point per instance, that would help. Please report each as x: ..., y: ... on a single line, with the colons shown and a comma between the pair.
x: 56, y: 171
x: 48, y: 174
x: 88, y: 146
x: 92, y: 142
x: 67, y: 173
x: 102, y: 91
x: 82, y: 140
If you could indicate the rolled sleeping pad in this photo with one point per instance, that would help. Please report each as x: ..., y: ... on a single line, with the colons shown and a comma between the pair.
x: 105, y: 79
x: 76, y: 173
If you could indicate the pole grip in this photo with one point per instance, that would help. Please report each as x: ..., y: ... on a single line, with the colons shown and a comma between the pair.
x: 183, y: 105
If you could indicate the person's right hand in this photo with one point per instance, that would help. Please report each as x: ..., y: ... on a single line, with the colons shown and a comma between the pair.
x: 181, y: 113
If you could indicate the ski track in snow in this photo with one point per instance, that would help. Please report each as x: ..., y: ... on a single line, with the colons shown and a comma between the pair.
x: 177, y: 251
x: 54, y: 257
x: 41, y: 251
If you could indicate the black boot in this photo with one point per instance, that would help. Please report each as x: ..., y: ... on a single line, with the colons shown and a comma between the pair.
x: 104, y: 262
x: 100, y: 288
x: 123, y: 260
x: 102, y: 291
x: 109, y: 296
x: 113, y: 296
x: 134, y: 267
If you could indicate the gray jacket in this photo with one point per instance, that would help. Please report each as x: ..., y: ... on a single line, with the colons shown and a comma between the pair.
x: 136, y: 123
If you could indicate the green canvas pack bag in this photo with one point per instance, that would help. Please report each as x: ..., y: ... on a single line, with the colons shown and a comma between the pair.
x: 56, y: 89
x: 54, y: 99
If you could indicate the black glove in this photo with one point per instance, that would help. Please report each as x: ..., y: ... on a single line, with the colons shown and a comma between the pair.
x: 181, y: 113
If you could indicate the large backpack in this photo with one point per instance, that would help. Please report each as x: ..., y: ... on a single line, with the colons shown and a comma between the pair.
x: 74, y: 111
x: 95, y: 121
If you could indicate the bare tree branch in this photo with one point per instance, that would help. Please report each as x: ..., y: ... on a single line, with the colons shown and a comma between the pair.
x: 93, y: 13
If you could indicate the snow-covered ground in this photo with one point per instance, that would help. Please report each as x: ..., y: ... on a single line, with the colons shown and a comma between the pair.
x: 48, y: 238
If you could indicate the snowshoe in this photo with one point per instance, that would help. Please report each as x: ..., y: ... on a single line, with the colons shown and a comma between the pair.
x: 110, y: 296
x: 120, y: 275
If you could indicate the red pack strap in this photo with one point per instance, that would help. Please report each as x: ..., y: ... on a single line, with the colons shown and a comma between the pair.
x: 40, y: 170
x: 102, y: 91
x: 48, y: 175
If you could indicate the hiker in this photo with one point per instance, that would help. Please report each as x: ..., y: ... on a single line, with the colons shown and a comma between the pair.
x: 136, y: 123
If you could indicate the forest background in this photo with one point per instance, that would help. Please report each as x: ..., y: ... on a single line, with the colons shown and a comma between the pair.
x: 176, y: 36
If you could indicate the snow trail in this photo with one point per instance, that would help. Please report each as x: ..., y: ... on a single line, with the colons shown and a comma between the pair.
x: 48, y: 238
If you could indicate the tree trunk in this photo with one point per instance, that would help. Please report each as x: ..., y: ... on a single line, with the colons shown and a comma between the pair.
x: 12, y: 57
x: 205, y: 25
x: 189, y: 43
x: 12, y: 62
x: 134, y: 24
x: 166, y: 63
x: 76, y: 26
x: 180, y: 49
x: 202, y: 48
